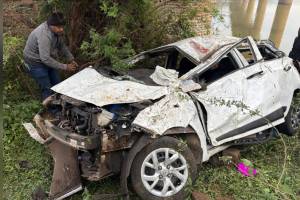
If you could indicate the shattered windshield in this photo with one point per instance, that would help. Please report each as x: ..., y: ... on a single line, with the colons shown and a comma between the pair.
x: 142, y: 69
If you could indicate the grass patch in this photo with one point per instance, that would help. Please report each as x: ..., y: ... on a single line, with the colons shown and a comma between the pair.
x: 27, y: 164
x: 268, y: 158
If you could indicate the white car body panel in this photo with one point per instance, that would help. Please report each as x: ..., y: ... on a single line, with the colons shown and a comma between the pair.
x: 177, y: 109
x: 288, y: 81
x: 221, y: 118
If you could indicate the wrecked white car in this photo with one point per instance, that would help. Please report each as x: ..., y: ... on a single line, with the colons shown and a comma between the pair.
x: 183, y: 103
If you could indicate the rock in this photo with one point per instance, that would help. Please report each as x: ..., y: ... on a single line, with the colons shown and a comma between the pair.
x: 215, y: 161
x: 234, y: 153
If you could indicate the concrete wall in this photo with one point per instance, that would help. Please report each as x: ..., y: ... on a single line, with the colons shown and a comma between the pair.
x: 201, y: 23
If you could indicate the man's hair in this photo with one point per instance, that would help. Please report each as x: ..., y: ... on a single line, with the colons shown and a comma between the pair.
x: 299, y: 32
x: 56, y: 19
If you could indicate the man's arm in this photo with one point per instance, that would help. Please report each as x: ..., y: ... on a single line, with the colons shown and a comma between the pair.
x: 44, y: 44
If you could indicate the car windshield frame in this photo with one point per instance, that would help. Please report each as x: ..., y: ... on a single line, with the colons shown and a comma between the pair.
x: 215, y: 57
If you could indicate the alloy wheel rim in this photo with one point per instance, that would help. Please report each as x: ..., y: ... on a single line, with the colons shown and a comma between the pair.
x: 164, y: 172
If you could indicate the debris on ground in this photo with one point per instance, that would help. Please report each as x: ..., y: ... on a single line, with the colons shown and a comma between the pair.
x: 229, y: 157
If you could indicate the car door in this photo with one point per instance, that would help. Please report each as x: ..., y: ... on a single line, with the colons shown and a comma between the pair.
x: 286, y: 76
x: 261, y: 96
x: 216, y: 98
x: 221, y: 116
x: 232, y: 100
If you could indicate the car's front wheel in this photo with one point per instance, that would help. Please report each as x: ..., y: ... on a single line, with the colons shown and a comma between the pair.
x: 292, y: 120
x: 162, y: 170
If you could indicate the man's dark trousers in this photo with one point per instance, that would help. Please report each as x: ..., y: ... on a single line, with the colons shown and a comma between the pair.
x: 45, y: 76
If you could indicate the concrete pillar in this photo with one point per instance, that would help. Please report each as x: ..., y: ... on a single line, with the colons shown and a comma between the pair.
x: 259, y: 18
x: 249, y: 13
x: 242, y: 18
x: 281, y: 16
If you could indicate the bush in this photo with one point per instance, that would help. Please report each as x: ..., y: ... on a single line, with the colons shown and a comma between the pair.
x: 110, y: 46
x: 112, y: 30
x: 17, y: 85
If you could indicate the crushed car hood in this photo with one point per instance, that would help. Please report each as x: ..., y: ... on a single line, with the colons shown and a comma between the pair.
x: 176, y: 108
x: 90, y: 86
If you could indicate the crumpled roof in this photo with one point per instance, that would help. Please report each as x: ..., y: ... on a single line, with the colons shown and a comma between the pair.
x: 199, y: 47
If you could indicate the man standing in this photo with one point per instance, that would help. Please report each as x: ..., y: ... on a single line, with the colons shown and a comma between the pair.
x: 44, y: 45
x: 295, y: 53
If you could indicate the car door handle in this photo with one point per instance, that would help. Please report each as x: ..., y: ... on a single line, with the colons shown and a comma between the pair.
x: 260, y: 73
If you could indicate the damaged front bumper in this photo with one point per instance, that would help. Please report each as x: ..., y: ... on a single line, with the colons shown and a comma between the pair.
x: 47, y: 131
x: 72, y: 139
x: 66, y: 179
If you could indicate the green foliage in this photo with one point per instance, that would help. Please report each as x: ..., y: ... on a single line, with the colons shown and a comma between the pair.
x: 13, y: 61
x: 217, y: 15
x: 183, y: 25
x: 109, y: 8
x: 86, y: 195
x: 110, y: 46
x: 137, y: 25
x: 20, y: 182
x: 147, y: 27
x: 134, y: 26
x: 13, y: 47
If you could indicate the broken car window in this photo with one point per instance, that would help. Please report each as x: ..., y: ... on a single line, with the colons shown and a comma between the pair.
x: 267, y: 53
x: 246, y: 53
x: 224, y: 66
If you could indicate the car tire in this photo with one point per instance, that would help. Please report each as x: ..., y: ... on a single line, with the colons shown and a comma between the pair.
x: 292, y: 121
x: 170, y: 175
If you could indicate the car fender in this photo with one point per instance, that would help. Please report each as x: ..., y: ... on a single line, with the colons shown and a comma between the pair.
x: 175, y: 110
x: 128, y: 159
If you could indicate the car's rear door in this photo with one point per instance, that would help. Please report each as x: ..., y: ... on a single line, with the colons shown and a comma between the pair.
x: 287, y: 77
x: 261, y: 94
x: 260, y: 107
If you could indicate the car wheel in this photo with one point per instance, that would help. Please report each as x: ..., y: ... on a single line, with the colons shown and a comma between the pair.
x: 292, y: 121
x: 162, y: 170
